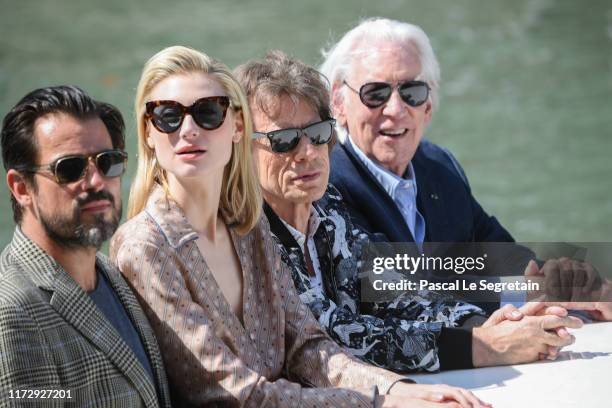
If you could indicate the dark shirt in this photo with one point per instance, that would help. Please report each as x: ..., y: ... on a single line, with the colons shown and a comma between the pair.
x: 107, y: 301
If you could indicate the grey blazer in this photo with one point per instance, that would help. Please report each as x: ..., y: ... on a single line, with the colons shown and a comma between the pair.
x: 52, y: 336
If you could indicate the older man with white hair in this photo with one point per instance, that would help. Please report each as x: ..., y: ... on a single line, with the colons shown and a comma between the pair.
x: 384, y: 79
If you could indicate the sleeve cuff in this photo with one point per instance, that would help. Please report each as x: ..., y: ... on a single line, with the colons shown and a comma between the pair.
x: 455, y: 348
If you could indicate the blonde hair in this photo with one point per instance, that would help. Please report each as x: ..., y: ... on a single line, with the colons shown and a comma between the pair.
x: 240, y: 192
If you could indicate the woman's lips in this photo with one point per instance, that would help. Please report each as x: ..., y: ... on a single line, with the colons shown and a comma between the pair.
x: 191, y: 154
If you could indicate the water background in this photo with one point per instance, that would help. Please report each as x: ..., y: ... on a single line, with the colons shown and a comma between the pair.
x: 526, y: 96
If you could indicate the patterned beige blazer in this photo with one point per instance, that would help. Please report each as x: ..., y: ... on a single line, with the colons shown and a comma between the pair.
x: 52, y: 336
x: 211, y: 356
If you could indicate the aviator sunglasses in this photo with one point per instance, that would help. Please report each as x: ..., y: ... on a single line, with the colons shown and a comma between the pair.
x: 208, y: 113
x: 284, y: 140
x: 68, y: 169
x: 376, y: 94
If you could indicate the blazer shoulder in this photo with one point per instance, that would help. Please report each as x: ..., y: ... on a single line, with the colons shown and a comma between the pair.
x: 260, y: 241
x: 139, y: 230
x: 346, y: 172
x: 340, y: 159
x: 16, y: 287
x: 261, y: 230
x: 19, y: 290
x: 434, y: 157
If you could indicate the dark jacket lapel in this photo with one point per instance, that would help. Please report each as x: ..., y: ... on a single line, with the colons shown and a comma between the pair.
x: 383, y: 208
x: 429, y: 198
x: 278, y: 228
x: 145, y: 332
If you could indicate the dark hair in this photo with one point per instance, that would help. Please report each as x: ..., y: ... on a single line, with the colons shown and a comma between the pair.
x: 19, y: 147
x: 277, y: 74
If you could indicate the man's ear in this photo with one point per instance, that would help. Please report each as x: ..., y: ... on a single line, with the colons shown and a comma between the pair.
x: 428, y: 111
x: 337, y: 104
x: 238, y: 126
x: 19, y: 187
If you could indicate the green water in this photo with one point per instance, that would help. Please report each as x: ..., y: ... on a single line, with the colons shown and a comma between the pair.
x: 526, y: 91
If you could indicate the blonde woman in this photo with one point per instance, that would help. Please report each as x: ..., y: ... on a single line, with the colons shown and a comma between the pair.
x: 230, y: 325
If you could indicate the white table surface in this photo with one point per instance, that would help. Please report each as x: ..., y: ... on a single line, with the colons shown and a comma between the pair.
x: 580, y: 377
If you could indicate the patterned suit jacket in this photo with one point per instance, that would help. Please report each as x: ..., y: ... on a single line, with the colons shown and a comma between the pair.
x: 52, y: 336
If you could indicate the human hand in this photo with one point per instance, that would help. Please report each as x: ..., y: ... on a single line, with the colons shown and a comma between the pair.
x: 566, y: 279
x: 524, y: 341
x: 584, y: 288
x: 421, y: 395
x: 599, y: 309
x: 395, y: 401
x: 511, y: 312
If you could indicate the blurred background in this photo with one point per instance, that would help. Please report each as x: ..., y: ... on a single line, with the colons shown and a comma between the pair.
x: 526, y: 88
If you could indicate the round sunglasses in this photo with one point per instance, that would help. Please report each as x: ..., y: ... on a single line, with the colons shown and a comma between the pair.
x: 68, y: 169
x: 376, y: 94
x: 167, y: 116
x: 285, y: 140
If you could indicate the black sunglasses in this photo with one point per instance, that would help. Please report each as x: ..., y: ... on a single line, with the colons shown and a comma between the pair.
x: 284, y: 140
x: 208, y: 113
x: 376, y: 94
x: 68, y: 169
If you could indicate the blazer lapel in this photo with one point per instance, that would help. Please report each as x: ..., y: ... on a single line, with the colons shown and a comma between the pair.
x: 430, y: 199
x: 141, y: 324
x: 390, y: 210
x: 75, y: 306
x: 278, y: 228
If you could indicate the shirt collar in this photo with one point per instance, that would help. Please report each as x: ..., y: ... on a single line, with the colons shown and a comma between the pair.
x: 170, y: 218
x: 313, y: 224
x: 387, y: 179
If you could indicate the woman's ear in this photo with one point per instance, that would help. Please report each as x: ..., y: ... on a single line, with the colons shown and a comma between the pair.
x: 238, y: 126
x: 148, y: 139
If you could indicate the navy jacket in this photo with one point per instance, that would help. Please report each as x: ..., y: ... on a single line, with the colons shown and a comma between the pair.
x: 444, y: 198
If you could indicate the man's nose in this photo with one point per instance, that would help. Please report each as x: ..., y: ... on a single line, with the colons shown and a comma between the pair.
x: 395, y: 106
x: 305, y: 149
x: 93, y: 177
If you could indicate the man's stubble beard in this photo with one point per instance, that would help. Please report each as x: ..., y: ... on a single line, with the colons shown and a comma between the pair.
x: 71, y: 232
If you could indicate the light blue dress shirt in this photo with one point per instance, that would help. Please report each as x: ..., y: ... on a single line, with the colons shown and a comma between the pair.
x: 403, y: 191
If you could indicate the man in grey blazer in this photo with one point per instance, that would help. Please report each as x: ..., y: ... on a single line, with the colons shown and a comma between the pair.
x: 71, y: 331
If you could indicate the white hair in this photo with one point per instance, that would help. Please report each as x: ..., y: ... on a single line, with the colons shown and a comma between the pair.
x: 339, y: 56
